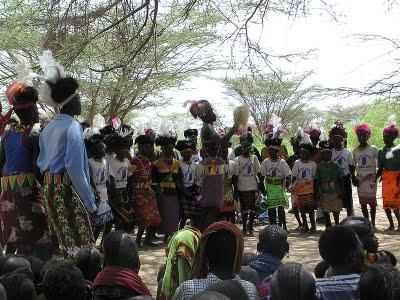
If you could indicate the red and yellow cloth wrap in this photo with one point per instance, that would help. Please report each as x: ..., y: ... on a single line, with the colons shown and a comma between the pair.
x: 391, y: 190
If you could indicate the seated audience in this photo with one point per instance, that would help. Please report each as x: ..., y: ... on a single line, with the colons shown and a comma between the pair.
x: 63, y: 281
x: 18, y: 287
x: 272, y: 246
x: 13, y: 262
x: 320, y: 269
x: 181, y: 250
x: 341, y: 248
x: 119, y: 279
x: 230, y: 288
x: 378, y: 282
x: 218, y: 258
x: 247, y: 258
x: 37, y: 266
x: 209, y: 295
x: 292, y: 282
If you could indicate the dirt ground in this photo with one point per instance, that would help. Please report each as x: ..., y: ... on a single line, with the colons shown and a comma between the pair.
x: 303, y: 247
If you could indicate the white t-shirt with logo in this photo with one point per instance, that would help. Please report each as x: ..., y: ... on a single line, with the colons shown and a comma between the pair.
x: 119, y: 170
x: 304, y: 171
x: 247, y: 168
x: 189, y: 172
x: 365, y: 160
x: 99, y: 175
x: 343, y: 158
x: 275, y: 168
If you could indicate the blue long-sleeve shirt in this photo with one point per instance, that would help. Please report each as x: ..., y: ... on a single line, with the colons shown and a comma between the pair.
x: 62, y: 149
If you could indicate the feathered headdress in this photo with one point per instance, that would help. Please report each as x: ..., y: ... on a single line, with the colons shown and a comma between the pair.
x: 313, y: 130
x: 97, y: 124
x: 303, y: 137
x: 273, y: 129
x: 337, y: 130
x: 391, y: 128
x: 165, y: 135
x: 58, y: 89
x: 362, y: 128
x: 241, y: 115
x: 197, y: 108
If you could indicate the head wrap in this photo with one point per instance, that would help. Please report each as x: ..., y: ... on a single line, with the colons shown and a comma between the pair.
x: 303, y: 137
x: 273, y: 129
x: 362, y: 128
x: 200, y: 264
x: 197, y: 108
x: 183, y: 245
x: 312, y: 131
x: 391, y: 128
x: 190, y: 132
x: 58, y: 89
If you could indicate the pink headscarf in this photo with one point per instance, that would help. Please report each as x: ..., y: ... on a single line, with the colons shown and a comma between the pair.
x: 362, y: 128
x: 391, y: 129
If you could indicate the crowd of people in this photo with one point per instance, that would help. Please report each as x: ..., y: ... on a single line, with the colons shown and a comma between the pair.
x: 64, y: 184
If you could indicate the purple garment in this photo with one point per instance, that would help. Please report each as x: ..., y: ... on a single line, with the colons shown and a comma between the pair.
x: 168, y: 206
x: 18, y: 159
x: 212, y: 187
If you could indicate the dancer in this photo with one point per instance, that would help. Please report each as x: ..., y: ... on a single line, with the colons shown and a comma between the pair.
x: 277, y: 179
x: 273, y: 131
x: 167, y: 174
x: 248, y: 171
x: 315, y: 135
x: 212, y: 166
x: 63, y: 161
x: 103, y: 219
x: 389, y: 171
x: 192, y: 135
x: 364, y: 160
x: 144, y: 199
x: 23, y: 220
x: 295, y: 142
x: 303, y: 173
x: 118, y: 171
x: 329, y: 186
x: 247, y: 143
x: 344, y: 159
x: 190, y: 209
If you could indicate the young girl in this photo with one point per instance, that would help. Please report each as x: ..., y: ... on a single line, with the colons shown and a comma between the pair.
x: 329, y: 186
x: 103, y: 219
x: 119, y: 169
x: 277, y: 178
x: 364, y: 159
x: 247, y: 169
x: 302, y: 181
x: 189, y: 206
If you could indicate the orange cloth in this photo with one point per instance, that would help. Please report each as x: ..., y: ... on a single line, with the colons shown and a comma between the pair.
x: 390, y: 190
x: 304, y: 187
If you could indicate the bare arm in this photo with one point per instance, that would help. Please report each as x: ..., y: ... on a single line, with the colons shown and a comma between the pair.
x: 211, y: 134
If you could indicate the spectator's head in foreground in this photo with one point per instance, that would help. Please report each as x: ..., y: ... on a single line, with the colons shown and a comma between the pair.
x: 209, y: 295
x: 341, y: 248
x: 380, y: 281
x: 365, y: 232
x: 18, y: 287
x: 230, y: 288
x: 220, y: 252
x: 120, y: 250
x: 63, y: 281
x: 274, y: 241
x: 293, y: 282
x: 88, y: 260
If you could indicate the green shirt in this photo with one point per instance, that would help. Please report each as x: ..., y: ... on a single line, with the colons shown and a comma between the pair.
x: 391, y: 164
x: 328, y: 176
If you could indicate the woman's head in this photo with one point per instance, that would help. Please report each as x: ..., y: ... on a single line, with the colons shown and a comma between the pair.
x: 274, y: 241
x: 304, y: 152
x: 167, y: 144
x: 390, y: 133
x: 186, y: 149
x: 202, y: 109
x: 145, y: 145
x: 363, y: 132
x: 363, y: 228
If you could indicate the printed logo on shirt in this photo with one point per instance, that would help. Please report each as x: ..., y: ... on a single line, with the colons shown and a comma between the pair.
x: 102, y: 177
x: 248, y: 169
x: 304, y: 173
x: 363, y: 160
x: 123, y: 172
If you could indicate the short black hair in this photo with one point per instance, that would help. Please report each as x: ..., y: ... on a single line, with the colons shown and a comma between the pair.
x: 220, y: 249
x: 380, y: 281
x: 15, y: 262
x: 18, y: 286
x: 248, y: 257
x: 363, y: 228
x: 86, y: 261
x: 116, y: 254
x: 320, y: 269
x: 247, y: 136
x: 37, y: 266
x: 273, y: 240
x: 63, y: 281
x: 230, y: 288
x: 336, y: 243
x: 209, y: 295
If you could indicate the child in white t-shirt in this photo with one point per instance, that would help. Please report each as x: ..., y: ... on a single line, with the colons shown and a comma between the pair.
x: 247, y: 170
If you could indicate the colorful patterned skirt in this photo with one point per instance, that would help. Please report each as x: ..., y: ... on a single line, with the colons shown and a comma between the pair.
x: 305, y: 196
x: 331, y: 203
x: 276, y: 195
x: 22, y: 213
x: 67, y: 214
x: 391, y: 190
x: 122, y: 206
x: 228, y: 203
x: 190, y: 207
x: 247, y: 200
x: 145, y: 207
x: 104, y: 215
x: 367, y: 190
x: 168, y: 206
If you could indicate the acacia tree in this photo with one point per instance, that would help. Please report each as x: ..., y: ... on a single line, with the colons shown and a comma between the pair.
x: 123, y: 52
x: 274, y: 94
